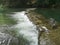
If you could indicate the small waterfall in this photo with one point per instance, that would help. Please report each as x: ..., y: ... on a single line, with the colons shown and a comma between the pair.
x: 26, y: 28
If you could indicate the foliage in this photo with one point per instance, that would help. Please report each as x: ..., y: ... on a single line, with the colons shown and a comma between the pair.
x: 31, y: 3
x: 48, y: 3
x: 2, y: 8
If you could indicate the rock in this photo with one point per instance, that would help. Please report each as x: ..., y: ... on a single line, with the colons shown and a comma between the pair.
x: 45, y: 29
x: 42, y: 29
x: 26, y: 12
x: 53, y: 23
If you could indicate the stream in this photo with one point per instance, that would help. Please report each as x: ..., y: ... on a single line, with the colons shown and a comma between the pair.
x: 27, y: 30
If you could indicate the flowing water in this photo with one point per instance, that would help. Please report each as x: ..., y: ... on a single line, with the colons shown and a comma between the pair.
x: 26, y: 28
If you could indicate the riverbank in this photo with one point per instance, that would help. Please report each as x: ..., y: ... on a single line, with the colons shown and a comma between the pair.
x: 38, y: 19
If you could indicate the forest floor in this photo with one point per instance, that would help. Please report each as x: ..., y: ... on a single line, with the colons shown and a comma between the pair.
x: 38, y: 19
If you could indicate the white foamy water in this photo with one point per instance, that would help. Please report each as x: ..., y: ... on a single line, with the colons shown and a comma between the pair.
x: 26, y: 27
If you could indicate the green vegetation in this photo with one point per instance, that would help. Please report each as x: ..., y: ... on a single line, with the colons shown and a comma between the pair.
x: 31, y: 3
x: 48, y: 3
